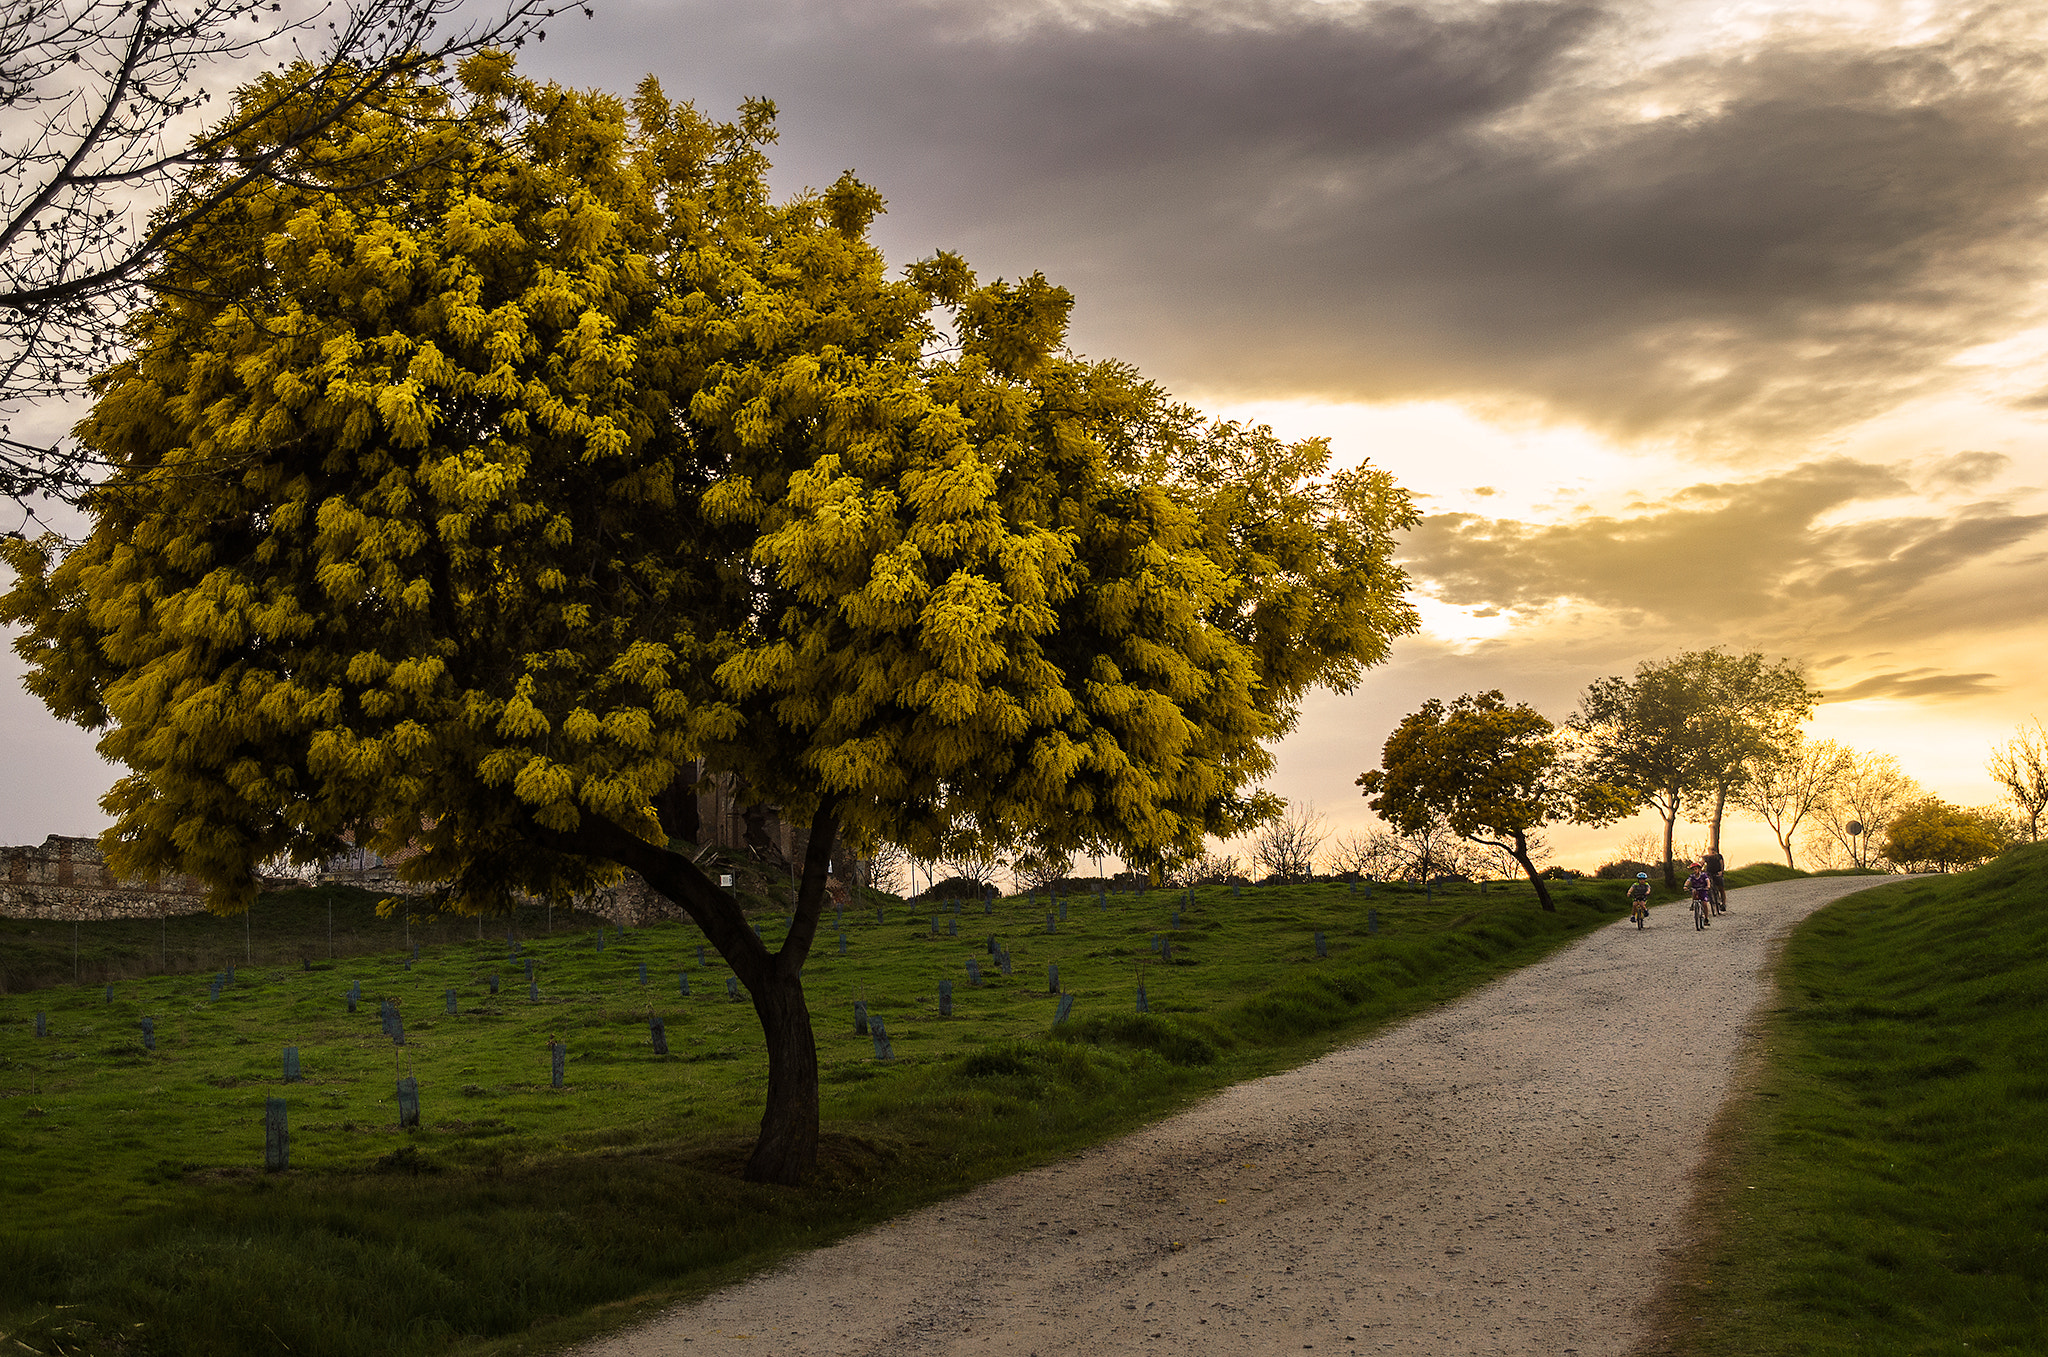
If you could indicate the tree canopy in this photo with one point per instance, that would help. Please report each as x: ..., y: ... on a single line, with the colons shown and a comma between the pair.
x: 485, y: 506
x: 1931, y: 833
x: 1686, y: 729
x: 1497, y: 774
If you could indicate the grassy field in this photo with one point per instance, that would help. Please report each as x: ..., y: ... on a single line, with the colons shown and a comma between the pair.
x: 1886, y: 1191
x: 137, y: 1217
x: 286, y: 929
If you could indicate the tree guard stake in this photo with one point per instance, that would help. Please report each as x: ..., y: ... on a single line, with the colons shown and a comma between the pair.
x: 276, y: 1137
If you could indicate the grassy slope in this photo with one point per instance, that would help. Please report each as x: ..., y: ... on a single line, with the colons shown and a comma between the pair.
x: 129, y: 1186
x: 1887, y: 1190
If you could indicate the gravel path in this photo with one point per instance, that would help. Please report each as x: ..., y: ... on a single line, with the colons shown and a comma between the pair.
x: 1495, y: 1176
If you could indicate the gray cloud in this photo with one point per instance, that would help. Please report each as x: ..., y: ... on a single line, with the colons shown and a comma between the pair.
x: 1970, y: 468
x: 1918, y: 684
x: 1453, y: 199
x: 1757, y: 557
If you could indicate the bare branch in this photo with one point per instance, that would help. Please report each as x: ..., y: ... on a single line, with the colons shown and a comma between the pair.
x: 105, y: 160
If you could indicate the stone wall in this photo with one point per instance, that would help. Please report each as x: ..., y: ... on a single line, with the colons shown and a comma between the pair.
x: 66, y: 878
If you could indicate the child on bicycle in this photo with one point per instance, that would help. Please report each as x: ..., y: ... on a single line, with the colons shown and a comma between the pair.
x: 1702, y: 887
x: 1639, y: 898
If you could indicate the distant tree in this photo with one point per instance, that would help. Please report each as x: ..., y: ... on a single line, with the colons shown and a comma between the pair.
x: 572, y: 458
x: 98, y: 180
x: 2009, y: 827
x: 1495, y: 773
x: 889, y: 869
x: 1286, y: 847
x: 1432, y: 851
x: 1679, y: 733
x: 979, y: 867
x: 1642, y: 847
x: 1931, y: 833
x: 1350, y: 854
x: 2020, y: 768
x: 1035, y: 871
x: 1206, y: 869
x: 1784, y: 787
x: 1867, y: 793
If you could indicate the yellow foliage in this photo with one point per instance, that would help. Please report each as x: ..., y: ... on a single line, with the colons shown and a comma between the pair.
x: 565, y: 460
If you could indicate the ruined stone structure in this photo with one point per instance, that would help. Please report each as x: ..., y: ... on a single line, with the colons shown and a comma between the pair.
x: 66, y: 878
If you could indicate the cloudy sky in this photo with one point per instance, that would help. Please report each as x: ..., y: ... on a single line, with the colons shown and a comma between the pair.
x: 1687, y: 323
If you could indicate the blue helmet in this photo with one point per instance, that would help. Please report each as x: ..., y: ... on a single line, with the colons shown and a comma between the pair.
x: 1642, y: 876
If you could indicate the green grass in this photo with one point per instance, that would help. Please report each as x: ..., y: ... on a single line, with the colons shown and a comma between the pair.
x: 135, y: 1218
x: 287, y: 928
x: 1887, y: 1190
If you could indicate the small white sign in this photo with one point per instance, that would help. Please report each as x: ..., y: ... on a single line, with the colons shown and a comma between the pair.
x: 725, y: 880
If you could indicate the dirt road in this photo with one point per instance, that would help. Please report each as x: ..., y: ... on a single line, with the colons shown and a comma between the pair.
x: 1493, y: 1177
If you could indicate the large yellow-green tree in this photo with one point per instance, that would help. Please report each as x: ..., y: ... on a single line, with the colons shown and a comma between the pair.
x: 483, y: 507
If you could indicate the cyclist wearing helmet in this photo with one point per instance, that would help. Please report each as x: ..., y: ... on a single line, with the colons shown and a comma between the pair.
x: 1639, y: 898
x: 1702, y: 888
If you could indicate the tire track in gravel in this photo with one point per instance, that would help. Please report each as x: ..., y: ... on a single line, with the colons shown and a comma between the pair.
x: 1496, y: 1176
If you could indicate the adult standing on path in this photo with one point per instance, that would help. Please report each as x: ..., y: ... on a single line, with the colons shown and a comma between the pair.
x: 1493, y: 1177
x: 1717, y: 878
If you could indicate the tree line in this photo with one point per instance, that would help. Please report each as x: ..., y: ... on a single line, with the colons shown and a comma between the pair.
x: 1691, y: 737
x: 1695, y: 737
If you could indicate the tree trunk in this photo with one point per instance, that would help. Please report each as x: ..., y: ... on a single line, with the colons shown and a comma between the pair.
x: 1714, y: 830
x: 1670, y: 825
x: 1521, y: 855
x: 788, y: 1144
x: 1518, y: 848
